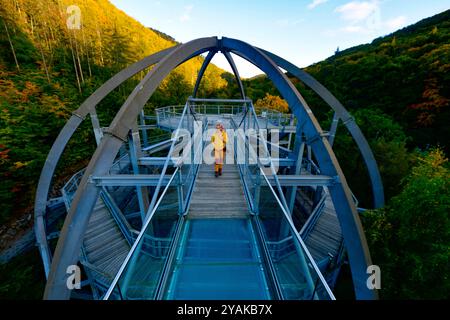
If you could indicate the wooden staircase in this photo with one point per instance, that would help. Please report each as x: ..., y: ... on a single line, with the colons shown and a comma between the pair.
x: 221, y: 197
x: 325, y: 238
x: 104, y: 245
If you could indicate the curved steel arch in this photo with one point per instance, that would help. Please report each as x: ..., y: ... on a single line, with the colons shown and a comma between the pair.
x: 200, y: 74
x: 230, y: 61
x: 347, y: 119
x: 72, y: 234
x: 236, y: 73
x: 78, y: 116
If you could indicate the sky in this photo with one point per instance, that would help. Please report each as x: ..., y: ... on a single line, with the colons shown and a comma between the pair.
x: 301, y: 31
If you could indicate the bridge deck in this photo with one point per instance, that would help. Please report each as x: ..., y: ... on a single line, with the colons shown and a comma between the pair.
x: 221, y: 197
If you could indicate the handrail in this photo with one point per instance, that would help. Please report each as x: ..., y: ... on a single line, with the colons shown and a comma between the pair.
x: 315, y: 214
x: 155, y: 204
x: 272, y: 168
x: 219, y: 100
x: 264, y: 143
x: 138, y: 239
x: 197, y: 108
x: 195, y: 165
x: 166, y: 164
x: 299, y: 239
x: 117, y: 215
x: 246, y: 189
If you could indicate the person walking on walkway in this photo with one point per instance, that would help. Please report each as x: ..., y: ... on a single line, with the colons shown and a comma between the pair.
x: 219, y: 140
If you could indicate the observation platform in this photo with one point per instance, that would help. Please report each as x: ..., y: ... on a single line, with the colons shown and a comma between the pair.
x: 148, y: 220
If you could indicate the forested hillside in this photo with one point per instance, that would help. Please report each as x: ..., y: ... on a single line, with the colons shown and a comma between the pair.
x: 405, y: 75
x: 47, y: 70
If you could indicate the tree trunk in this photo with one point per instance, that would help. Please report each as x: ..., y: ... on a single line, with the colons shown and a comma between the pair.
x: 100, y: 47
x: 74, y: 64
x: 87, y: 52
x: 12, y: 46
x: 78, y: 59
x: 43, y: 57
x: 32, y: 26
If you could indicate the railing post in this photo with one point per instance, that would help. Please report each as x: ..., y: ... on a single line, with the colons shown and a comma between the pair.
x: 180, y: 193
x: 134, y: 145
x: 249, y: 115
x: 298, y: 168
x: 144, y: 130
x: 96, y: 126
x: 333, y: 128
x: 257, y: 192
x: 309, y: 158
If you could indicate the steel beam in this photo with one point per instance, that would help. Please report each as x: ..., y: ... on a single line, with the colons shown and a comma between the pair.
x: 303, y: 180
x: 135, y: 152
x: 236, y: 73
x: 333, y: 128
x: 157, y: 161
x: 205, y: 64
x: 282, y: 162
x: 129, y: 180
x: 300, y: 150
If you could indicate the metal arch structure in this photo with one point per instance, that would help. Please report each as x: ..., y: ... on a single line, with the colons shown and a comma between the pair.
x: 340, y: 114
x: 88, y: 107
x: 205, y: 64
x: 71, y: 236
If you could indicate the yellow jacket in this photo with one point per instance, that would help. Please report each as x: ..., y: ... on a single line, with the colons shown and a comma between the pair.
x: 219, y: 140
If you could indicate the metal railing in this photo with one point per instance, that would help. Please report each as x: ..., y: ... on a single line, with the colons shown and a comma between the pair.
x: 291, y: 245
x: 182, y: 180
x: 137, y: 247
x: 222, y: 109
x: 275, y: 117
x: 252, y: 159
x: 70, y: 188
x: 288, y: 244
x: 169, y: 112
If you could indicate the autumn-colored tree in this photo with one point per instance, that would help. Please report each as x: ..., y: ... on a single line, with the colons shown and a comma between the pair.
x: 273, y: 103
x: 433, y: 103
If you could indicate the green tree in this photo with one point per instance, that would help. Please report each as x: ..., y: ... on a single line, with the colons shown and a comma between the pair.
x: 410, y: 238
x: 388, y: 143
